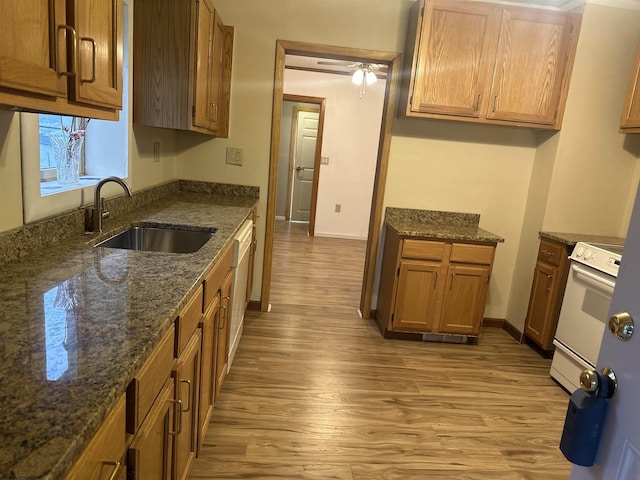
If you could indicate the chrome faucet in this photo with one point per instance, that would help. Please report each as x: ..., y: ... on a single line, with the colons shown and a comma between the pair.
x: 98, y: 212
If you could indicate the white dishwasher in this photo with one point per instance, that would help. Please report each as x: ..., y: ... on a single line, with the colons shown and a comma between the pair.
x: 240, y: 266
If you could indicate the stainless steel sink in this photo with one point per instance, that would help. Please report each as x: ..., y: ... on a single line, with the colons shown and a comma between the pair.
x: 160, y: 239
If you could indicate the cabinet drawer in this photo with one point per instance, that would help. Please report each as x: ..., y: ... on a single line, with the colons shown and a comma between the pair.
x: 216, y: 276
x: 424, y: 250
x: 146, y: 385
x: 551, y: 252
x: 188, y: 320
x: 103, y: 456
x: 469, y: 253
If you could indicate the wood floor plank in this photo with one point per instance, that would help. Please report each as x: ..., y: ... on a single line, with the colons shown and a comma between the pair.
x: 315, y: 392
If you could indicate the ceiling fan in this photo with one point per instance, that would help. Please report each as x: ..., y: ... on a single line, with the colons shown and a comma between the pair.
x: 363, y: 72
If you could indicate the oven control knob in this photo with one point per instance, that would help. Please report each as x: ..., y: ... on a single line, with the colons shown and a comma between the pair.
x: 588, y: 254
x: 579, y: 251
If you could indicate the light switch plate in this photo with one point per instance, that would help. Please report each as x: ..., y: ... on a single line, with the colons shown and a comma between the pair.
x: 234, y: 156
x: 324, y: 160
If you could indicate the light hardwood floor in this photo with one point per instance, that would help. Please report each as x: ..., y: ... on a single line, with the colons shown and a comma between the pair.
x: 316, y: 393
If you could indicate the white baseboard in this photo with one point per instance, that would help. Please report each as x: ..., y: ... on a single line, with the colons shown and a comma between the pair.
x: 338, y: 235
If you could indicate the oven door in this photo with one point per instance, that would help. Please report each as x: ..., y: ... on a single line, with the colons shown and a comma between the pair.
x: 584, y: 311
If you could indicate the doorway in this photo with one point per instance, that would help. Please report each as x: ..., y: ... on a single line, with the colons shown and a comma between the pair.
x: 302, y: 131
x: 392, y: 61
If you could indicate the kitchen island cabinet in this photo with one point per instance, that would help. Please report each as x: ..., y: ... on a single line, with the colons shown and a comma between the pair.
x: 182, y: 80
x: 62, y: 56
x: 630, y: 121
x: 434, y: 276
x: 473, y: 61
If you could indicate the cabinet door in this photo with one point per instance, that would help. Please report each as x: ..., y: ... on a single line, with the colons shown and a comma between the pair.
x: 541, y: 301
x: 32, y: 46
x: 215, y: 76
x: 150, y: 453
x: 187, y: 376
x: 464, y: 299
x: 222, y: 347
x: 417, y: 298
x: 457, y: 41
x: 98, y: 25
x: 207, y: 368
x: 530, y: 66
x: 631, y: 111
x: 204, y: 35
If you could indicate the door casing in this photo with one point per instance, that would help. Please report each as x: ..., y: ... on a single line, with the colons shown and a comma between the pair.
x: 393, y: 62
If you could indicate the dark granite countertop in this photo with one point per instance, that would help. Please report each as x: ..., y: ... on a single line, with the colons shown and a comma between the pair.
x: 439, y: 225
x: 77, y: 323
x: 573, y: 238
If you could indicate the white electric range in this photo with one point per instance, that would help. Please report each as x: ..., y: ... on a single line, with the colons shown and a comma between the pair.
x: 584, y: 312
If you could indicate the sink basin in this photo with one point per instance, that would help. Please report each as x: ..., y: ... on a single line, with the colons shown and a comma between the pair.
x: 160, y: 239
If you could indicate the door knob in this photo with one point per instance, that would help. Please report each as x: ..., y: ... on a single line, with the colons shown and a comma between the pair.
x: 603, y: 384
x: 621, y: 325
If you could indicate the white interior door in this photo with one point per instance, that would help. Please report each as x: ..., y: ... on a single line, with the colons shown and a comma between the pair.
x: 306, y: 136
x: 618, y: 456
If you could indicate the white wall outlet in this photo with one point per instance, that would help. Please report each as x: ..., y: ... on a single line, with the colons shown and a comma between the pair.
x: 234, y: 156
x: 156, y: 152
x: 324, y: 160
x: 338, y: 208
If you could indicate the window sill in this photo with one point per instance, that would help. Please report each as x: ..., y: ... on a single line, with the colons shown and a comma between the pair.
x: 53, y: 187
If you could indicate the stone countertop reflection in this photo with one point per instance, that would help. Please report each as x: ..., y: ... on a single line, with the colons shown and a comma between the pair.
x: 77, y: 323
x: 432, y: 224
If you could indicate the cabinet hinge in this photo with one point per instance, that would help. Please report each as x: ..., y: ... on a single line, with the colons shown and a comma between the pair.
x: 422, y: 11
x: 193, y: 111
x: 398, y: 272
x: 393, y: 315
x: 411, y: 100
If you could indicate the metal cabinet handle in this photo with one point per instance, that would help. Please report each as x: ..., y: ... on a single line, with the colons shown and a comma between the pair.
x: 546, y: 253
x: 94, y: 47
x: 188, y: 382
x: 74, y: 51
x: 453, y: 276
x: 549, y: 281
x: 179, y: 421
x: 116, y: 470
x: 495, y: 103
x: 224, y: 318
x: 435, y: 280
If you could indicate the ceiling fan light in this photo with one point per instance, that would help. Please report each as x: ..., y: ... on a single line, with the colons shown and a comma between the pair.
x: 358, y: 77
x: 371, y: 78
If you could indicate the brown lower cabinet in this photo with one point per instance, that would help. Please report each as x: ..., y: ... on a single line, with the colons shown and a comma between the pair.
x: 547, y: 291
x: 433, y: 286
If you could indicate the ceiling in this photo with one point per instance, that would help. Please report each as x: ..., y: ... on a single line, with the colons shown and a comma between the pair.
x: 342, y: 67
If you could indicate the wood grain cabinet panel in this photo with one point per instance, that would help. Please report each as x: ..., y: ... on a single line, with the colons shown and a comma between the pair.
x: 182, y: 80
x: 445, y: 296
x: 103, y: 458
x: 187, y: 376
x: 207, y: 368
x: 630, y: 121
x: 464, y: 299
x: 150, y: 456
x: 473, y: 61
x: 547, y: 291
x: 62, y: 56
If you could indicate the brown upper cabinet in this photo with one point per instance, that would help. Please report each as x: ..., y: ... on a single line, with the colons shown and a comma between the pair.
x: 630, y: 121
x: 62, y: 56
x: 488, y: 63
x: 182, y: 67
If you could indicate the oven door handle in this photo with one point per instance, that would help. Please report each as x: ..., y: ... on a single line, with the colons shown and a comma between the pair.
x: 592, y: 276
